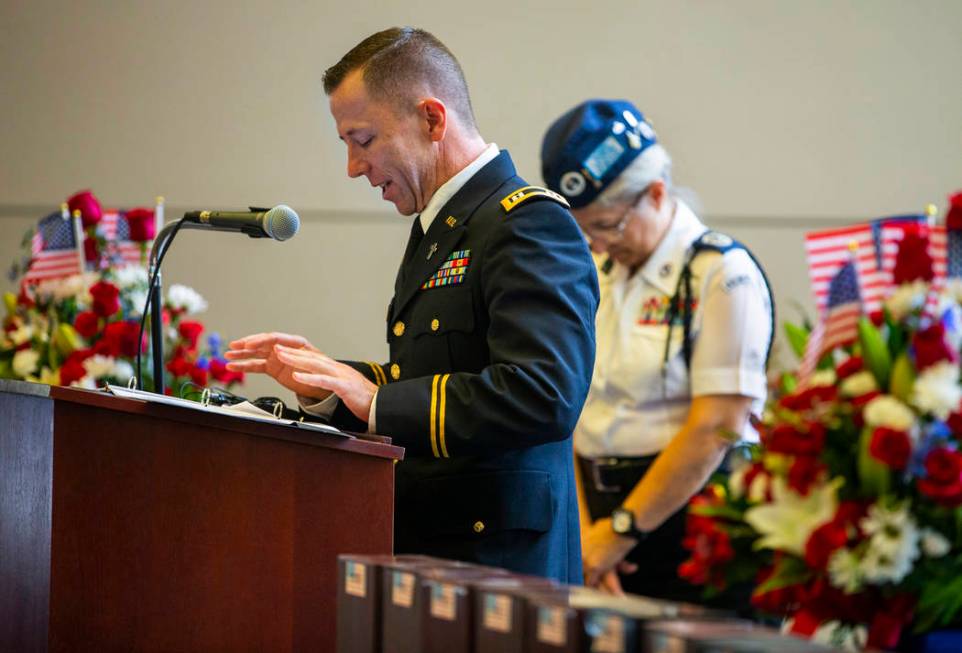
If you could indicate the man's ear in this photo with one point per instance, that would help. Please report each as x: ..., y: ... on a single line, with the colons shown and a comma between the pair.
x: 435, y: 116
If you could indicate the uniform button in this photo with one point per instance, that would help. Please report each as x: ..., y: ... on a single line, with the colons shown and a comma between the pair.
x: 435, y: 324
x: 399, y: 328
x: 395, y: 371
x: 478, y: 526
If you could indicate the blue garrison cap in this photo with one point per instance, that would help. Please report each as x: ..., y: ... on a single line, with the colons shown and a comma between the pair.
x: 587, y: 148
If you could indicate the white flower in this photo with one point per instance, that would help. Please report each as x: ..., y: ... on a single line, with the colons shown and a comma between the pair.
x: 122, y: 370
x: 822, y: 377
x: 906, y: 298
x: 886, y: 410
x: 844, y: 570
x: 937, y: 389
x: 934, y: 544
x: 98, y: 366
x: 858, y: 384
x: 130, y: 276
x: 841, y: 636
x: 789, y: 519
x: 188, y: 299
x: 138, y: 298
x: 893, y: 545
x: 25, y: 362
x: 21, y: 335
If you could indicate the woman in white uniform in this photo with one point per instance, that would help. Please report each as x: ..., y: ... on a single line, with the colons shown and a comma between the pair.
x: 660, y: 415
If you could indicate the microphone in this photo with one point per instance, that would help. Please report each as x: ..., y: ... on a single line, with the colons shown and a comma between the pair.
x: 279, y: 223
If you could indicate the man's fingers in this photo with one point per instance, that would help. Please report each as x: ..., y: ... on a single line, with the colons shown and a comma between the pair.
x: 261, y: 340
x: 323, y: 381
x: 255, y: 365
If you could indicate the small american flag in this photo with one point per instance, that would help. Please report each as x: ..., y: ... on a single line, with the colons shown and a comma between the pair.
x: 116, y: 231
x: 839, y: 325
x: 55, y: 249
x: 829, y: 250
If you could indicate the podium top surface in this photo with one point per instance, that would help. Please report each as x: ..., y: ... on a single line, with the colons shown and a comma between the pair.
x: 377, y: 446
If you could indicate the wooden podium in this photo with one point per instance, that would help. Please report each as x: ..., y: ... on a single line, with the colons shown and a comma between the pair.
x: 132, y: 526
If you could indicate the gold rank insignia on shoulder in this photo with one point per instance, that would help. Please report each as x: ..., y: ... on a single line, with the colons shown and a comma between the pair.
x: 522, y: 195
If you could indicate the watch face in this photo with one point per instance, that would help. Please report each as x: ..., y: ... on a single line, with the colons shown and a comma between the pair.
x: 621, y: 521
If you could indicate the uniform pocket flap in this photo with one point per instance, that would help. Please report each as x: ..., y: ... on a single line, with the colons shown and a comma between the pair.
x: 486, y: 503
x: 442, y: 311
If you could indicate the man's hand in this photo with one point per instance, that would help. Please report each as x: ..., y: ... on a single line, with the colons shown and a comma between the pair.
x: 259, y: 354
x: 324, y: 374
x: 604, y: 553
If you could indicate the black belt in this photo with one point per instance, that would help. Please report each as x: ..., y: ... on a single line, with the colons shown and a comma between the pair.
x: 610, y: 475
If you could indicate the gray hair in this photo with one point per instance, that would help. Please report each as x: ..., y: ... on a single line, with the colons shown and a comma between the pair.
x: 654, y: 164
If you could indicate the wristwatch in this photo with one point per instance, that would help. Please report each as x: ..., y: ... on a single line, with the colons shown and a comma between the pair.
x: 623, y: 523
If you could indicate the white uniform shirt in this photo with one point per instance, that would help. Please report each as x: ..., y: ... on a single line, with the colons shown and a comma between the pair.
x: 633, y: 409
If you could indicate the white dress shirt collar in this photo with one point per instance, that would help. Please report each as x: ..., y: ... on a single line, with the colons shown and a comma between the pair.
x: 449, y: 188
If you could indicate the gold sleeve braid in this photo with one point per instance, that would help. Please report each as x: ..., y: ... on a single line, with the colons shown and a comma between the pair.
x: 438, y: 404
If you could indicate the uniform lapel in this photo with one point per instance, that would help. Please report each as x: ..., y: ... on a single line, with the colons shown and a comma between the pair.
x: 448, y: 228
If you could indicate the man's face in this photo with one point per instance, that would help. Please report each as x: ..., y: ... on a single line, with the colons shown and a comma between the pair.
x: 392, y: 149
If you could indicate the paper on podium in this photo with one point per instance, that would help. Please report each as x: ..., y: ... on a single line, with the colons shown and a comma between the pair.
x: 243, y: 410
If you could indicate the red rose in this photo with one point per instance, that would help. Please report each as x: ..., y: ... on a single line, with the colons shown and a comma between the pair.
x: 106, y: 298
x: 953, y: 216
x: 179, y: 366
x: 851, y: 365
x: 198, y: 375
x: 954, y: 422
x: 190, y: 331
x: 141, y: 224
x: 943, y: 479
x: 91, y: 250
x: 804, y: 471
x: 125, y: 335
x: 218, y: 370
x: 823, y: 542
x: 913, y: 263
x: 891, y: 446
x: 786, y: 439
x: 87, y: 324
x: 89, y: 207
x: 809, y: 397
x: 73, y: 368
x: 931, y: 347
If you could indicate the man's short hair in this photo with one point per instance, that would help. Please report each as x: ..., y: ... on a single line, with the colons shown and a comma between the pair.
x: 399, y: 60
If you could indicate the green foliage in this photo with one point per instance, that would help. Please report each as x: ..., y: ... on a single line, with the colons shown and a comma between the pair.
x: 875, y: 352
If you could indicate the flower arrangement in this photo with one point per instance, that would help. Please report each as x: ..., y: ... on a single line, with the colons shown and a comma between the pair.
x: 847, y: 518
x: 82, y: 329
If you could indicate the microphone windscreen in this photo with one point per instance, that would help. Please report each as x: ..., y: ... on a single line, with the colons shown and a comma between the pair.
x: 281, y: 222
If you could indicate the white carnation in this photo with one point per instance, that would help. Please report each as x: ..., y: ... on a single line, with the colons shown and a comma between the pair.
x: 934, y: 544
x: 893, y: 545
x: 907, y: 298
x: 130, y: 276
x: 844, y: 571
x: 25, y: 362
x: 122, y: 370
x: 886, y: 410
x: 841, y: 636
x: 97, y: 366
x: 137, y: 298
x: 186, y: 298
x: 858, y: 384
x: 822, y: 378
x: 937, y: 390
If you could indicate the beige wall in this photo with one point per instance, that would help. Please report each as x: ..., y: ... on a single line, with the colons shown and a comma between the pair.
x: 782, y: 115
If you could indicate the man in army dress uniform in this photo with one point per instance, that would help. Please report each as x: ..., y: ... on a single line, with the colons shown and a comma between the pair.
x: 491, y: 328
